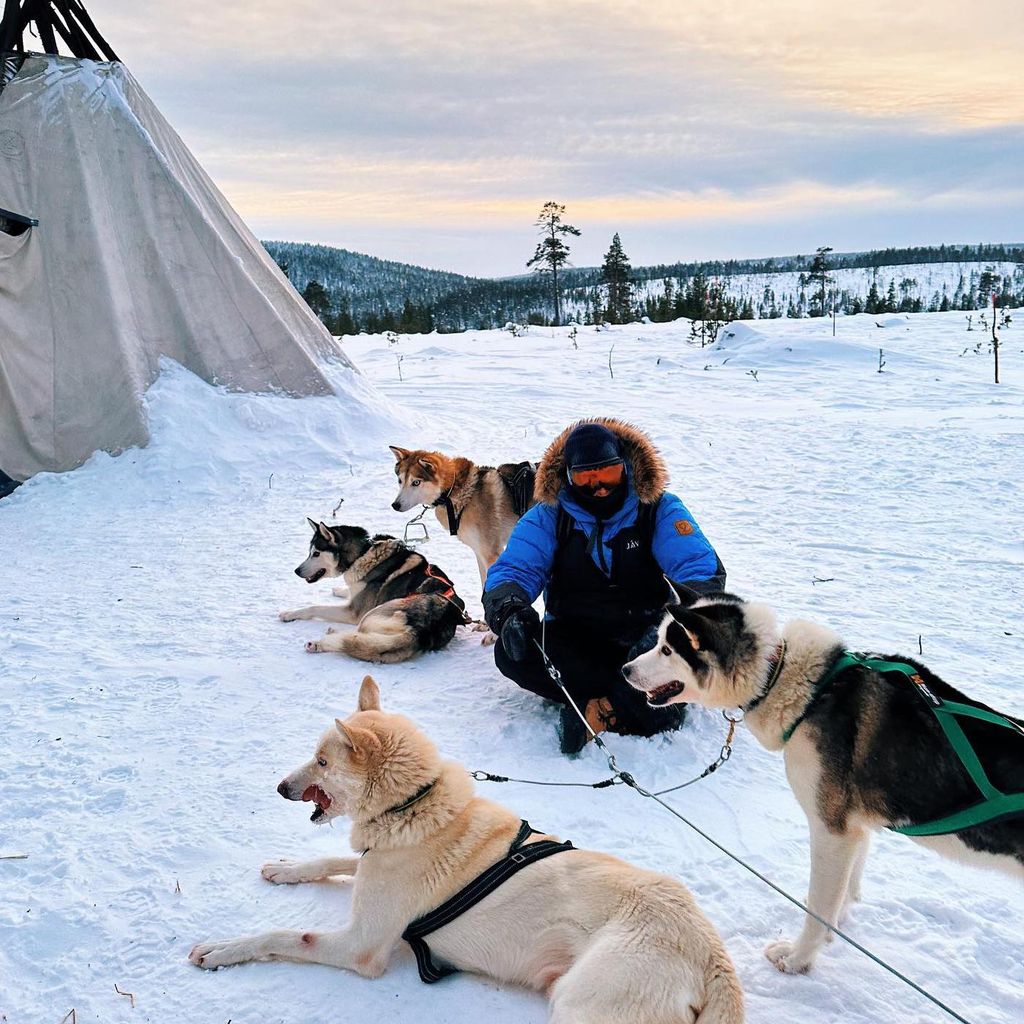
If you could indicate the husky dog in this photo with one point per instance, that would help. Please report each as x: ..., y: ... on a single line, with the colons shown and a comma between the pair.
x: 607, y: 942
x: 478, y: 504
x: 402, y: 604
x: 863, y: 748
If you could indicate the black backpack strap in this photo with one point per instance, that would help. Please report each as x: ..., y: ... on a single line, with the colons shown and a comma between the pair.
x: 519, y: 857
x: 564, y: 525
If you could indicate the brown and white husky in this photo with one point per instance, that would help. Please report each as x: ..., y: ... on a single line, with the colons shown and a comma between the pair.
x: 478, y: 504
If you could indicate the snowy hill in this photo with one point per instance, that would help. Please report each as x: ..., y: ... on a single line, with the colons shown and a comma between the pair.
x: 152, y: 700
x: 381, y: 295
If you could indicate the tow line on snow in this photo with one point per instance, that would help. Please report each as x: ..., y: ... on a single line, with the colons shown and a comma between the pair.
x: 620, y: 777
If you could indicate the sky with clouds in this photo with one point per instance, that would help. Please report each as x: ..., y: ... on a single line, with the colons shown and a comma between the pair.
x: 433, y: 133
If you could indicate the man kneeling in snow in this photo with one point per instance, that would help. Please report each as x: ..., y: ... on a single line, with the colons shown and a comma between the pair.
x: 600, y: 543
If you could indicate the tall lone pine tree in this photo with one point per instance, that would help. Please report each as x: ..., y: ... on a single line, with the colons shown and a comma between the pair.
x: 615, y: 276
x: 819, y: 271
x: 552, y: 253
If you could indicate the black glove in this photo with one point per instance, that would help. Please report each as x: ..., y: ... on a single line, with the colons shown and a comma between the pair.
x: 519, y: 632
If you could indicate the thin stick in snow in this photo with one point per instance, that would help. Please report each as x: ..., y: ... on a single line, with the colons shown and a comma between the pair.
x: 13, y: 856
x: 70, y: 1015
x: 920, y: 648
x: 128, y: 994
x: 611, y: 372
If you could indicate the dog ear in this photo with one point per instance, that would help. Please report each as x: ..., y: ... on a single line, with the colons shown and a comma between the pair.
x: 361, y: 741
x: 369, y: 695
x: 314, y: 524
x: 324, y: 532
x: 689, y: 622
x: 399, y: 453
x: 428, y: 466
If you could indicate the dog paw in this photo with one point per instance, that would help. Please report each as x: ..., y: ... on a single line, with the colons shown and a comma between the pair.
x: 282, y: 872
x: 222, y: 953
x: 287, y: 616
x: 488, y: 638
x: 782, y: 954
x: 480, y: 627
x: 339, y: 591
x: 313, y: 647
x: 331, y: 629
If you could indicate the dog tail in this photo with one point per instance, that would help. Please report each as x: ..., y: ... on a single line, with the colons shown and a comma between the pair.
x: 724, y: 996
x: 387, y: 647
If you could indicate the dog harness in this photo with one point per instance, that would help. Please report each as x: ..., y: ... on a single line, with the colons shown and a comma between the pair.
x: 518, y: 480
x: 994, y: 803
x: 454, y: 518
x: 519, y: 857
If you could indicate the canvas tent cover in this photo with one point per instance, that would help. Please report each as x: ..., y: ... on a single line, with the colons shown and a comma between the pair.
x: 137, y: 255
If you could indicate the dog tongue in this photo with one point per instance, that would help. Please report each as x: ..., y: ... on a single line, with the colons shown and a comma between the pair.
x: 317, y: 794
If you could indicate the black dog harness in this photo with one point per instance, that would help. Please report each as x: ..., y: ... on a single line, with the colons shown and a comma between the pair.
x: 518, y: 479
x: 454, y: 518
x: 519, y: 857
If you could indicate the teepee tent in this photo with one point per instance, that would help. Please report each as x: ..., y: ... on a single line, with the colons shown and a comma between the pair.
x: 116, y: 249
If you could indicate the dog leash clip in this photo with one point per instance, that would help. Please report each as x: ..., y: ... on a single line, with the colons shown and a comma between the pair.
x: 416, y: 524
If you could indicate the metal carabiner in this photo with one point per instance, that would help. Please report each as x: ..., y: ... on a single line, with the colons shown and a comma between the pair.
x: 415, y: 523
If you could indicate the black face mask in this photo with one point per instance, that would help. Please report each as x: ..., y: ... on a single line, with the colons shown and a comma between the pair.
x: 604, y: 507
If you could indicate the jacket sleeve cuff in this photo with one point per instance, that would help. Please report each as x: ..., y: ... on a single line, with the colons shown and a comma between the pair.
x: 712, y: 585
x: 501, y: 601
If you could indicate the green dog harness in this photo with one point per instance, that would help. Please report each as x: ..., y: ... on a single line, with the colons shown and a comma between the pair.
x: 994, y: 803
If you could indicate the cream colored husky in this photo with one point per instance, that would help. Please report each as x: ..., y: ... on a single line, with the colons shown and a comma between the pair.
x: 608, y: 942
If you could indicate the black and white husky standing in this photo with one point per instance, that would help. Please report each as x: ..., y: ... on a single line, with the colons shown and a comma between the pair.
x: 400, y: 603
x: 863, y: 747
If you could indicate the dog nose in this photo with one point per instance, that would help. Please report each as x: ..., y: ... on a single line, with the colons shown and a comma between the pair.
x: 627, y: 670
x: 297, y: 573
x: 282, y: 788
x: 396, y: 506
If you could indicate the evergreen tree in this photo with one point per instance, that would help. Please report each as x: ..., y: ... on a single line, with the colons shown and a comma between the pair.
x: 343, y: 322
x: 318, y: 299
x: 819, y: 271
x: 615, y: 276
x: 552, y: 253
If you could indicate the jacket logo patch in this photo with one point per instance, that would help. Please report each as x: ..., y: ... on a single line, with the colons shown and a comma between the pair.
x: 684, y: 526
x: 632, y: 545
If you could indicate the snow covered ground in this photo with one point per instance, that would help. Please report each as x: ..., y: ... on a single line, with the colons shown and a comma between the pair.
x: 151, y: 700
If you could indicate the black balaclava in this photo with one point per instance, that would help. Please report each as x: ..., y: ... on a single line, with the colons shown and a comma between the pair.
x: 591, y: 446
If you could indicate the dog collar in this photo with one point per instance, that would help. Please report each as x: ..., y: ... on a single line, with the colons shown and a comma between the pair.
x: 414, y: 799
x: 775, y: 665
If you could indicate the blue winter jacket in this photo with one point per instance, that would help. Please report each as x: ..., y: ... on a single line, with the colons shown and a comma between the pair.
x: 680, y: 549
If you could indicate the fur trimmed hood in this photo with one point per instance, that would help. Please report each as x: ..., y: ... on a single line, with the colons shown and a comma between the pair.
x: 647, y: 467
